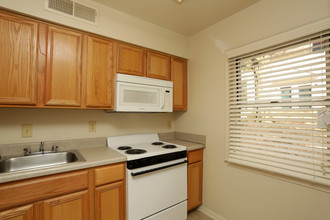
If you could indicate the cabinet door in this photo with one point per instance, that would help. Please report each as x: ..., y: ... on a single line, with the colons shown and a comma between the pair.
x: 159, y: 66
x: 68, y: 207
x: 195, y: 185
x: 110, y: 202
x: 20, y: 213
x: 99, y: 72
x: 18, y: 60
x: 130, y: 60
x: 63, y: 70
x: 179, y: 78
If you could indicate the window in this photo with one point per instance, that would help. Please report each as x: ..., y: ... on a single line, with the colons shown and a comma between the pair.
x: 274, y: 98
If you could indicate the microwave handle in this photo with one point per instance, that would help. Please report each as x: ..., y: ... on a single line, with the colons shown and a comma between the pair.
x: 163, y: 98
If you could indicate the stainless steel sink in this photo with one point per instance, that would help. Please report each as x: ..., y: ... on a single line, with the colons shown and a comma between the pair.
x: 39, y: 161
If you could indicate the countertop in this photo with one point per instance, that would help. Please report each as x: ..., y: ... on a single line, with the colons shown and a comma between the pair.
x: 96, y: 156
x: 190, y: 145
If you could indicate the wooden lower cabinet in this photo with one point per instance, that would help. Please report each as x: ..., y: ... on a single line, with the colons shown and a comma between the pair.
x: 19, y: 213
x: 96, y: 193
x: 109, y: 193
x: 195, y: 179
x: 68, y: 207
x: 109, y: 202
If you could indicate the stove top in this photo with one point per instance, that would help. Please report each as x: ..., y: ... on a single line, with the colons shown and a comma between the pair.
x: 141, y: 146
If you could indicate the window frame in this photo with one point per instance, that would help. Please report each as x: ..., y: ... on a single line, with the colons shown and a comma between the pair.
x: 262, y: 46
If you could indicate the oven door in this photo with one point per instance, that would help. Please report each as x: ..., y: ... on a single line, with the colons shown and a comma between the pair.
x: 158, y: 192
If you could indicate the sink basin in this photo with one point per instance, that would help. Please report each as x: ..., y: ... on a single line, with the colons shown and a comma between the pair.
x: 39, y: 161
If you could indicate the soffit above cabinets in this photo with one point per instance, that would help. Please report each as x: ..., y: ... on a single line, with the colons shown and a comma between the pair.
x: 187, y: 18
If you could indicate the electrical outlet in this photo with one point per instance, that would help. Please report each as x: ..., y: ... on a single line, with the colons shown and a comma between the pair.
x: 92, y: 126
x: 26, y: 130
x: 169, y: 124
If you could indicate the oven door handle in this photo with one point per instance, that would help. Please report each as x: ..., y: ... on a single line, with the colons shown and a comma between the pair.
x: 158, y: 168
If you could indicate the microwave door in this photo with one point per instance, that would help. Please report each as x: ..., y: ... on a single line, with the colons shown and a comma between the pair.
x: 139, y: 98
x: 162, y: 98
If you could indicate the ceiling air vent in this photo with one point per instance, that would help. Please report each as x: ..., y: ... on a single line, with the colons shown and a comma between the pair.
x: 72, y: 9
x: 85, y: 12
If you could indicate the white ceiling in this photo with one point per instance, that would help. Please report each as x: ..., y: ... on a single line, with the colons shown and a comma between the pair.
x: 187, y: 18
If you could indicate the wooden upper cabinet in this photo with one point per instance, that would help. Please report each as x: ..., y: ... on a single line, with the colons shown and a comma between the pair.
x: 179, y: 78
x: 130, y: 60
x: 63, y: 70
x: 99, y: 66
x: 158, y: 66
x: 18, y: 60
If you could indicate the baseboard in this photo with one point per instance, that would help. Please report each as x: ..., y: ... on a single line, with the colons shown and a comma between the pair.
x: 210, y: 213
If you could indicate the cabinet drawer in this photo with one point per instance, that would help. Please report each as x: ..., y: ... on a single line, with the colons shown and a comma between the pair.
x: 108, y: 174
x: 27, y: 191
x: 195, y: 156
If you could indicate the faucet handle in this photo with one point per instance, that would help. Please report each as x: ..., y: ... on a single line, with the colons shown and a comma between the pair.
x: 42, y: 146
x: 27, y: 151
x: 55, y: 148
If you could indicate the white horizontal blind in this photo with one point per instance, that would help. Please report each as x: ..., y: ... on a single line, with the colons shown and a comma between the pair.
x: 274, y: 98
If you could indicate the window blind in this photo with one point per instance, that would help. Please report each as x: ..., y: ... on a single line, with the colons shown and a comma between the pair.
x: 274, y: 99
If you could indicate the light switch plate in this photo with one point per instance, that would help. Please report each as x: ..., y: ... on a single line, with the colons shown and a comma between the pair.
x: 26, y: 130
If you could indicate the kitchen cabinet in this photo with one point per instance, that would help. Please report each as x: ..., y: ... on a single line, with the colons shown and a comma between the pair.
x: 195, y: 179
x: 110, y: 192
x: 68, y: 207
x: 179, y: 78
x: 50, y: 66
x: 109, y: 201
x: 18, y: 193
x: 98, y: 72
x: 18, y: 60
x: 158, y: 66
x: 131, y: 60
x: 24, y: 213
x: 63, y: 69
x: 95, y: 193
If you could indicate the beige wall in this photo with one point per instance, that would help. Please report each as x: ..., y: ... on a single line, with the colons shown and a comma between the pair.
x: 61, y: 124
x: 54, y: 124
x: 235, y: 192
x: 112, y: 23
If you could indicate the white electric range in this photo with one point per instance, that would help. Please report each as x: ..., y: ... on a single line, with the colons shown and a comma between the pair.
x: 156, y: 175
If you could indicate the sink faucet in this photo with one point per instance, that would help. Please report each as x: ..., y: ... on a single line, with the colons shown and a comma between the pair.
x: 27, y: 151
x: 42, y: 147
x: 55, y: 148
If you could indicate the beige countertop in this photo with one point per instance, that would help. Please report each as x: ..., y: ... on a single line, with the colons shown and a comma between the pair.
x: 95, y: 156
x: 190, y: 145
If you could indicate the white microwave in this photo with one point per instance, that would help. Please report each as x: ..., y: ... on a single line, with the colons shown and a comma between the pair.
x: 142, y: 94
